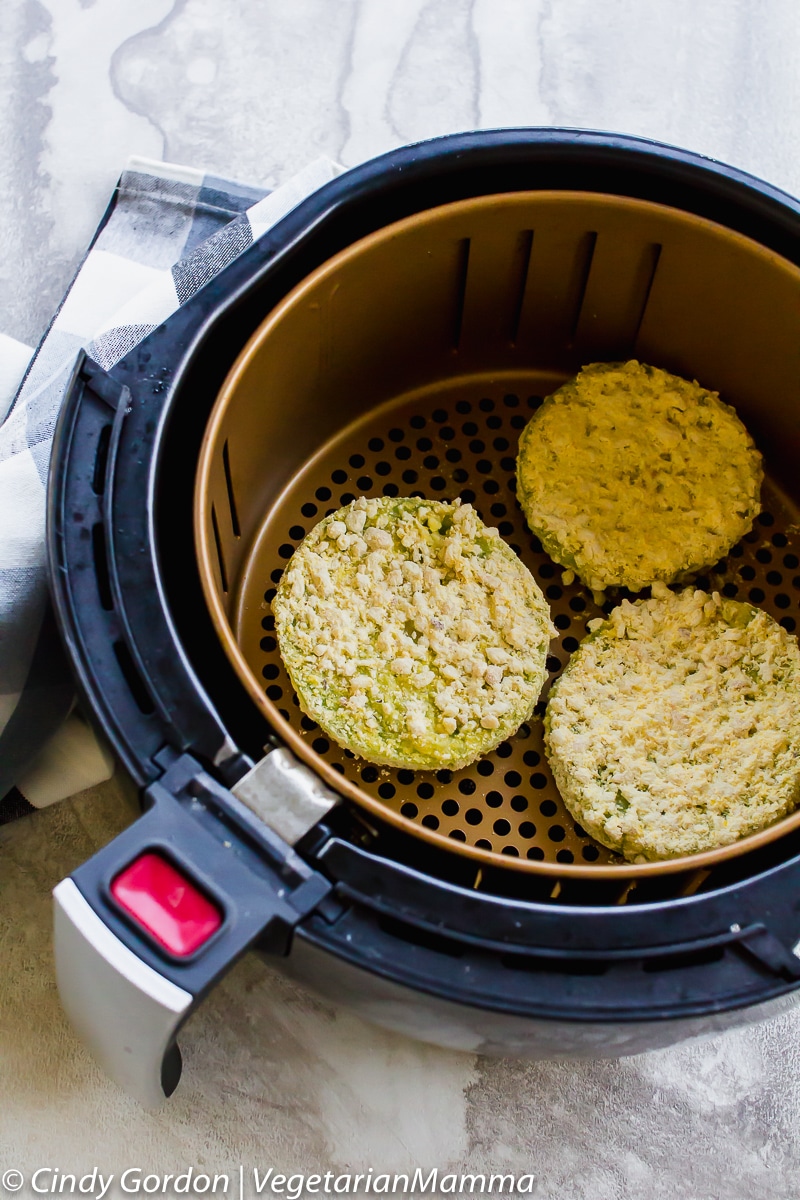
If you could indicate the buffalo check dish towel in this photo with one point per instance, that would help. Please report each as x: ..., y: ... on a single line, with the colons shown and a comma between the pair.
x: 167, y: 231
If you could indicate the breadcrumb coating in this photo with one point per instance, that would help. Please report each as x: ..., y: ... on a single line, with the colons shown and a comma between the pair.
x: 412, y: 634
x: 676, y: 726
x: 628, y: 474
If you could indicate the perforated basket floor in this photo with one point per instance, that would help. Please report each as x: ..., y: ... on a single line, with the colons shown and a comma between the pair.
x: 461, y: 440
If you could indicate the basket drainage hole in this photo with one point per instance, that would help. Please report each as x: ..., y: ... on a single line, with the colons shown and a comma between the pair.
x: 409, y: 810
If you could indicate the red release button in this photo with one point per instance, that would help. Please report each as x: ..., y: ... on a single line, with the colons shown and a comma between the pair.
x: 164, y: 901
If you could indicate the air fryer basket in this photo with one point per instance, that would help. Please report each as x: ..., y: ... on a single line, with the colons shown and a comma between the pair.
x: 408, y: 364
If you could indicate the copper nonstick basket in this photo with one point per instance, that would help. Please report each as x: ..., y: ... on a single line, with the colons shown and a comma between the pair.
x: 408, y: 365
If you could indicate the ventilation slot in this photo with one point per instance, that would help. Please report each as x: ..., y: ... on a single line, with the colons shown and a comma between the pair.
x: 687, y: 958
x: 561, y: 966
x: 101, y: 566
x: 223, y: 574
x: 420, y: 937
x: 100, y: 460
x: 522, y: 262
x: 133, y: 679
x: 461, y: 289
x: 651, y: 259
x: 584, y: 266
x: 226, y: 462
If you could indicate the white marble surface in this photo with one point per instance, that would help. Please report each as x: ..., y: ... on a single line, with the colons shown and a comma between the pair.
x: 253, y: 89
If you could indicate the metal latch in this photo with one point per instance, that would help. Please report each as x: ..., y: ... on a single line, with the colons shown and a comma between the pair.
x: 286, y: 795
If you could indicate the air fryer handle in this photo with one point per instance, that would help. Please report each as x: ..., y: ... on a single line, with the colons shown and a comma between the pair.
x: 126, y: 985
x: 124, y: 1011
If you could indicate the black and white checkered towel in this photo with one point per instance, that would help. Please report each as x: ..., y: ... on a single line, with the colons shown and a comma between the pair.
x: 167, y: 231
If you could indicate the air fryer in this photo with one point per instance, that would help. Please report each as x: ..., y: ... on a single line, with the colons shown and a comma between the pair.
x: 392, y: 336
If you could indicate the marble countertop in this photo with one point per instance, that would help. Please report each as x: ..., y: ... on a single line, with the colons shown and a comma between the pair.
x: 274, y: 1076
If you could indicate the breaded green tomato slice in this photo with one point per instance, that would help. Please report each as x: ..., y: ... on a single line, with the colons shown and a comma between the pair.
x: 676, y: 726
x: 628, y: 474
x: 413, y: 635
